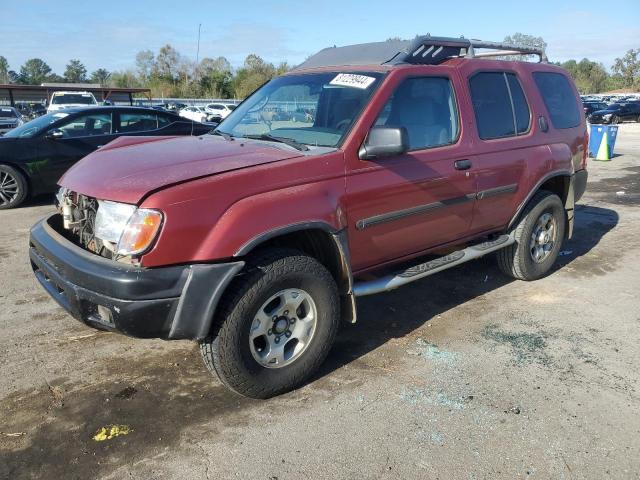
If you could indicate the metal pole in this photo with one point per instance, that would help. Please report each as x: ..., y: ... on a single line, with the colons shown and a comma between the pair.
x: 198, y: 50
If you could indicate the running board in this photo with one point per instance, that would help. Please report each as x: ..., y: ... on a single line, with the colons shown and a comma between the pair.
x: 411, y: 274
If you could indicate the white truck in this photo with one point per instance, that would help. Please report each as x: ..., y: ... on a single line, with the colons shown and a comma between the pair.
x: 62, y: 100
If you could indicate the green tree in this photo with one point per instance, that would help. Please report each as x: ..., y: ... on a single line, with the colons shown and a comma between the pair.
x: 523, y: 40
x: 145, y: 63
x: 254, y: 73
x: 167, y: 63
x: 4, y: 70
x: 628, y: 68
x: 100, y: 76
x: 215, y: 78
x: 34, y: 72
x: 75, y: 72
x: 589, y: 76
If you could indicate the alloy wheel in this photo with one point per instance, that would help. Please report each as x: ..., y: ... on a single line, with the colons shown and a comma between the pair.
x: 543, y: 237
x: 9, y: 189
x: 283, y: 328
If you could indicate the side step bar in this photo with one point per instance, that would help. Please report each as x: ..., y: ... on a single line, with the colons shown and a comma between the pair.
x: 411, y: 274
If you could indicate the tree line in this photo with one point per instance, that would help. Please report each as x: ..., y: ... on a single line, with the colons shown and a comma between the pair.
x: 170, y: 74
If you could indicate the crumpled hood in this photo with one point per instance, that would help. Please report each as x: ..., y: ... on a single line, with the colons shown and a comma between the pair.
x: 129, y: 168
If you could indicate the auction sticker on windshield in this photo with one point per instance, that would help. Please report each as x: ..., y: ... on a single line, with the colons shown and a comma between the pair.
x: 352, y: 80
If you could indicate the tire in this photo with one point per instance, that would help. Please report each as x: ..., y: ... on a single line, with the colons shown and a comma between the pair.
x: 517, y: 260
x: 230, y: 354
x: 615, y: 120
x: 13, y: 187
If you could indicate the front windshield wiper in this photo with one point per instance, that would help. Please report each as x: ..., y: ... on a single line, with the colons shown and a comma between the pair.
x: 286, y: 140
x: 227, y: 136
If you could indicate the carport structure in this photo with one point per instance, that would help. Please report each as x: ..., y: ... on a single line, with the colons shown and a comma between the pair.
x: 12, y: 93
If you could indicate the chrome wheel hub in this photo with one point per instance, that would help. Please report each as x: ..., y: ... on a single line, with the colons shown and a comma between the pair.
x: 8, y: 188
x: 282, y: 328
x: 543, y: 238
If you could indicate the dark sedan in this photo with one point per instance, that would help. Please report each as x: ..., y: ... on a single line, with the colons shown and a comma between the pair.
x: 34, y: 156
x: 590, y: 107
x: 617, y: 113
x: 10, y: 118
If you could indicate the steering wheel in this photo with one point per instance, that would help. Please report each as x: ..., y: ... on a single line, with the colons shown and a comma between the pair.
x: 343, y: 124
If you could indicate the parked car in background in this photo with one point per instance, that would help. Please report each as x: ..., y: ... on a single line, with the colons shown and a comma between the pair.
x: 257, y: 241
x: 10, y: 118
x: 617, y: 113
x: 31, y: 110
x: 590, y: 107
x: 220, y: 110
x: 34, y: 156
x: 197, y: 114
x: 62, y: 100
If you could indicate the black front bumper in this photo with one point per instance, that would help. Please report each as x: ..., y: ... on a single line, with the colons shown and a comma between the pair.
x: 176, y: 302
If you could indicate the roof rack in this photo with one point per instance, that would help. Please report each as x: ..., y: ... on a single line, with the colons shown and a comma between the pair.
x: 423, y: 50
x: 433, y: 50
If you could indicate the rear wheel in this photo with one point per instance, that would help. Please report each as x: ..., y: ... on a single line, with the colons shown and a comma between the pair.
x: 275, y: 326
x: 538, y: 235
x: 13, y: 187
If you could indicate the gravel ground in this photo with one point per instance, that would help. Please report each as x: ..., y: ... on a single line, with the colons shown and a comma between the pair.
x: 464, y: 375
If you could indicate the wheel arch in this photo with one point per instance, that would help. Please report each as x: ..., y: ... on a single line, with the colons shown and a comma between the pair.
x: 319, y: 240
x: 558, y: 182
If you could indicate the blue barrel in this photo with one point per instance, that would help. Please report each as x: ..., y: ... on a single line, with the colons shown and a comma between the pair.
x: 600, y: 134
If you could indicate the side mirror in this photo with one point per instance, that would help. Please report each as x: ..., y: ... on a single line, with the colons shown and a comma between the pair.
x: 384, y: 142
x: 54, y: 134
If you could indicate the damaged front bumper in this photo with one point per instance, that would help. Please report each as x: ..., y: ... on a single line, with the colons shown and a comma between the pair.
x: 175, y: 302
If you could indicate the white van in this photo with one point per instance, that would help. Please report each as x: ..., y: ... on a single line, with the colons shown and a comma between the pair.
x: 60, y: 100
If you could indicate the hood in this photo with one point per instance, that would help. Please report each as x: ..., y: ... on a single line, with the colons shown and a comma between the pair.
x: 605, y: 112
x: 128, y: 168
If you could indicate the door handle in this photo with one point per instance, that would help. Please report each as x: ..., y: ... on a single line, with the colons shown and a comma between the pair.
x: 462, y: 164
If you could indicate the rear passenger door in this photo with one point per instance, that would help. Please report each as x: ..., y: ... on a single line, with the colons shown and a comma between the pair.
x: 502, y: 135
x: 400, y: 206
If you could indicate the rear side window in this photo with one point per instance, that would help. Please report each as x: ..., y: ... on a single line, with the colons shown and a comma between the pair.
x: 559, y: 99
x: 499, y: 104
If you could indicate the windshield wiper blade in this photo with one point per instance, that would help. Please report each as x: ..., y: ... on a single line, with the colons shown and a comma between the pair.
x: 227, y: 136
x: 286, y: 140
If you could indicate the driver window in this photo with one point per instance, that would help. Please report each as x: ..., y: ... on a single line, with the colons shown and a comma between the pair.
x: 87, y: 126
x: 426, y: 107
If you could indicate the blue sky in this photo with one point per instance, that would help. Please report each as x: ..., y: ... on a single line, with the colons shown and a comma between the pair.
x: 110, y: 33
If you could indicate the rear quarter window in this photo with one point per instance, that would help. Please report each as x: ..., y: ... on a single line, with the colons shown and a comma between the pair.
x: 559, y: 99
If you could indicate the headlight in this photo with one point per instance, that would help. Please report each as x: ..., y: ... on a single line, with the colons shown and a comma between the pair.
x: 607, y: 116
x: 129, y: 229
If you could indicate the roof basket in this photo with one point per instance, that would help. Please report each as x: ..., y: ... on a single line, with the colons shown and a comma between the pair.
x: 424, y: 50
x: 433, y: 50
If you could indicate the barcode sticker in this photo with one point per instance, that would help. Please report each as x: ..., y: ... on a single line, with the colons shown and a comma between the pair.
x: 352, y: 80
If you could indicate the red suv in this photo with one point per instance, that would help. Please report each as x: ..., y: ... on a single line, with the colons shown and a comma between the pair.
x: 255, y: 241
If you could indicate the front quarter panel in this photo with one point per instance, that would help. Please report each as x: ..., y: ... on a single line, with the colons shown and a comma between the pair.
x: 212, y: 218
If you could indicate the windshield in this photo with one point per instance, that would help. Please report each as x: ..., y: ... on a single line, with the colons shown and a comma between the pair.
x: 7, y: 113
x: 313, y: 109
x: 33, y: 127
x: 73, y: 99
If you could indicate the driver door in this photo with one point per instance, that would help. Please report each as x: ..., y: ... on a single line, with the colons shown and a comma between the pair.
x: 63, y: 145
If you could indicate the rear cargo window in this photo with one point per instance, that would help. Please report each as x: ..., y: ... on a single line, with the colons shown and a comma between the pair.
x: 499, y: 104
x: 559, y: 99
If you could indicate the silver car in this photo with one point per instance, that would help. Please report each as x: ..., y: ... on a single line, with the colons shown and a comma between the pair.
x: 10, y: 118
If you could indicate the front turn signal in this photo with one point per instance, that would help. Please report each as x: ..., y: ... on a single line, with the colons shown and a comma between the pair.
x: 140, y: 232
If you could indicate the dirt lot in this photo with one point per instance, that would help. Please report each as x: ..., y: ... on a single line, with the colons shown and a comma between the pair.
x: 463, y: 375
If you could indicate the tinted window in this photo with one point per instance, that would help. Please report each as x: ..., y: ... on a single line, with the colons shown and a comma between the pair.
x: 87, y: 126
x: 426, y: 107
x: 164, y: 120
x: 559, y: 99
x: 138, y: 122
x: 492, y: 105
x: 520, y: 107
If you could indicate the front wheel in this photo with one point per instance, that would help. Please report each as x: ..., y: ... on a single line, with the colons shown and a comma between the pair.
x: 275, y: 325
x: 13, y: 187
x: 539, y: 236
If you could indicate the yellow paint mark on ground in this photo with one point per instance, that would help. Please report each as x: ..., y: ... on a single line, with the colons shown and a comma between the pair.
x: 111, y: 431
